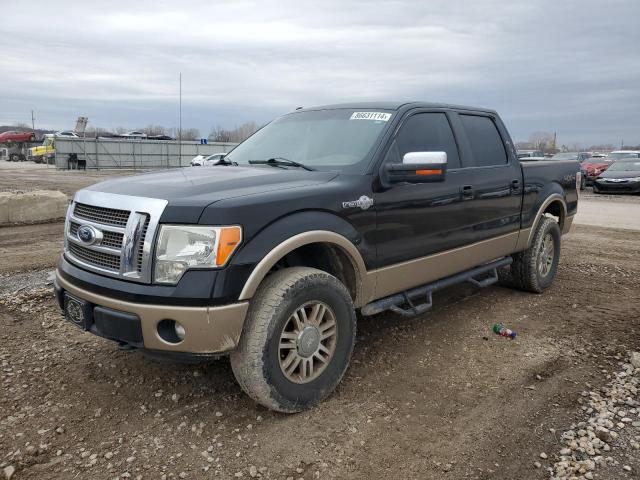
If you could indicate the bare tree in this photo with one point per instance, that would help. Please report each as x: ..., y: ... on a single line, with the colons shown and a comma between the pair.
x: 154, y: 130
x: 236, y: 135
x: 542, y: 141
x: 190, y: 134
x: 219, y: 134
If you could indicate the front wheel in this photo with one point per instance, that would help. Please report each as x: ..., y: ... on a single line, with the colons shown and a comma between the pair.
x: 297, y: 340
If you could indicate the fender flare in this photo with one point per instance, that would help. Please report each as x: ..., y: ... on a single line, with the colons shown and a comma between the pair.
x: 526, y: 235
x: 314, y: 236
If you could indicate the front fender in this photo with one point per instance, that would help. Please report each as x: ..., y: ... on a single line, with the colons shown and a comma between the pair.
x: 293, y: 231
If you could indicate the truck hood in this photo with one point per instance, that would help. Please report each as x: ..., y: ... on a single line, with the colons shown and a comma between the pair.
x: 202, y: 186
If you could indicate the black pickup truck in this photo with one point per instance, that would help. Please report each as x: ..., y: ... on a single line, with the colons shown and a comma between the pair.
x: 322, y: 213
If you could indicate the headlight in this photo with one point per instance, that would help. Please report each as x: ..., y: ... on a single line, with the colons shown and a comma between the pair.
x: 634, y: 179
x: 182, y: 247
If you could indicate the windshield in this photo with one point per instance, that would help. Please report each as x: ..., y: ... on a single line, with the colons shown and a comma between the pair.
x: 625, y: 167
x: 619, y: 155
x: 565, y: 156
x: 340, y: 139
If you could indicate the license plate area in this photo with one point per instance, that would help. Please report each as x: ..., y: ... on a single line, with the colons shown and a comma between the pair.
x: 77, y: 311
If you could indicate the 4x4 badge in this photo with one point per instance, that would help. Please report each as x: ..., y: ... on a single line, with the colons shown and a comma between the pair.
x: 363, y: 202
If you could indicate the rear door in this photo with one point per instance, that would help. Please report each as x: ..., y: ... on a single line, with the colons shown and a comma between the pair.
x: 495, y: 189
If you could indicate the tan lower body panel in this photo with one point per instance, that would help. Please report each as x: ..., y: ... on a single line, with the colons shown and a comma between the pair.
x: 568, y: 221
x: 207, y: 329
x: 403, y: 276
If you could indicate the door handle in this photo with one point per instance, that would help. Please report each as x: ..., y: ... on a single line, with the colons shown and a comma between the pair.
x: 467, y: 192
x: 515, y: 184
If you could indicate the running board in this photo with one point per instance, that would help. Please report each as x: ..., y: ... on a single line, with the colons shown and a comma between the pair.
x: 404, y: 303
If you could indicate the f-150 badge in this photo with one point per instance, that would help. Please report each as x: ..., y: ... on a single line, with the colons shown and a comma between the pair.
x: 363, y: 202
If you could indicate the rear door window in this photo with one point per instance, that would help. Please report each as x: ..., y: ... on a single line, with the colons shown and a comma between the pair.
x: 485, y: 141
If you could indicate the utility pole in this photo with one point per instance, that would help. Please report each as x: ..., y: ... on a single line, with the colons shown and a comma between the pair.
x: 180, y: 126
x: 33, y: 121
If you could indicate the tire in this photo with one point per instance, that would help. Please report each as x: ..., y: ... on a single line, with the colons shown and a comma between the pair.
x: 260, y: 362
x: 583, y: 183
x: 528, y: 272
x: 14, y: 157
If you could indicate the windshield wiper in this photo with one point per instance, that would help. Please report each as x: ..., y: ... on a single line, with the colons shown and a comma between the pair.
x: 278, y: 161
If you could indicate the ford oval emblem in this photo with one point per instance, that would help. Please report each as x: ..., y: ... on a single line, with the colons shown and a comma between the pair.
x: 87, y: 234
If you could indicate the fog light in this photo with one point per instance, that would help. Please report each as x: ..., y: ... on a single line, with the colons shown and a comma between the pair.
x: 171, y: 331
x: 179, y: 330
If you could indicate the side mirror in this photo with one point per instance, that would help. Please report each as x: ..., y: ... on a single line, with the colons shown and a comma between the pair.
x: 419, y: 167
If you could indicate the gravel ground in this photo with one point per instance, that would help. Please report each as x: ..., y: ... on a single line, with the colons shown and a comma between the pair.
x: 437, y: 396
x: 26, y: 176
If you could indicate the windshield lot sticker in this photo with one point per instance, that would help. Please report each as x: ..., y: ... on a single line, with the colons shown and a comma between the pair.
x: 381, y: 116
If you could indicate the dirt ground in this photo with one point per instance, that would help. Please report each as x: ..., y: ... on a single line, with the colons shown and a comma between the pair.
x: 28, y: 176
x: 437, y: 396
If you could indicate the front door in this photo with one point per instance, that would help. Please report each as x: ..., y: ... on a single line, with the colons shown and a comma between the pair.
x: 419, y: 219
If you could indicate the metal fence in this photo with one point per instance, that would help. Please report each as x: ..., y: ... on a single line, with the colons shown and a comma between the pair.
x: 132, y: 153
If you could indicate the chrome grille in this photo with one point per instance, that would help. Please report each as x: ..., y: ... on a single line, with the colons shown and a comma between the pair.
x: 107, y: 216
x: 124, y: 228
x: 101, y: 259
x: 141, y: 245
x: 110, y: 239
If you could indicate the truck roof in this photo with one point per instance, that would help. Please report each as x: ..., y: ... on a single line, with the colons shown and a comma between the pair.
x: 397, y: 105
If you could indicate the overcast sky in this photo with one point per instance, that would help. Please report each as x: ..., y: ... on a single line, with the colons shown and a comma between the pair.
x: 570, y: 66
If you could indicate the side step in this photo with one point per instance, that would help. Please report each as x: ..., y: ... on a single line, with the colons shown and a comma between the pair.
x: 404, y: 303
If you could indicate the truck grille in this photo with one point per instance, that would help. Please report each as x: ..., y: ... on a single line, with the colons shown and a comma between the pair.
x: 107, y: 216
x: 141, y: 245
x: 110, y: 239
x: 121, y: 224
x: 101, y: 259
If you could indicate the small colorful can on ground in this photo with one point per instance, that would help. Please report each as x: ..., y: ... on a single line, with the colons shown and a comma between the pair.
x: 500, y: 329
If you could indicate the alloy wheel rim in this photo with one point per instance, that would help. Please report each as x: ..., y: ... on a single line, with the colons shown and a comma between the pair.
x: 307, y: 342
x: 547, y: 253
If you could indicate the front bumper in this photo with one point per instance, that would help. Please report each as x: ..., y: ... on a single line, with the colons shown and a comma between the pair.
x: 208, y: 329
x: 616, y: 187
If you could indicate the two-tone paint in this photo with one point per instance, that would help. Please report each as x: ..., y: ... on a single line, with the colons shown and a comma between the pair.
x: 411, y: 234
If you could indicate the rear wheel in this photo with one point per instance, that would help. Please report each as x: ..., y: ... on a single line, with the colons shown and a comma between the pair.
x: 14, y: 157
x: 297, y: 341
x: 534, y: 269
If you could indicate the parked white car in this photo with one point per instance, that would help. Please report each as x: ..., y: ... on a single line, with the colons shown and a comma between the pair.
x: 207, y: 161
x: 134, y: 134
x: 67, y: 133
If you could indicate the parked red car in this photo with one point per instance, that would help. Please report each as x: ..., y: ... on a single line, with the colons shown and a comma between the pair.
x: 13, y: 136
x: 594, y: 166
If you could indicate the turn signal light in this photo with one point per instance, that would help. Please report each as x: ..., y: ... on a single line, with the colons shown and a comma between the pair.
x: 229, y: 239
x: 429, y: 172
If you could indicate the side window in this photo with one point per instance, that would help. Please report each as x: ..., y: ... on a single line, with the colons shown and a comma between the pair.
x: 428, y: 132
x: 484, y: 140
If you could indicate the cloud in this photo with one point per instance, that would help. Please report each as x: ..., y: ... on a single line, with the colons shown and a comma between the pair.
x: 570, y: 67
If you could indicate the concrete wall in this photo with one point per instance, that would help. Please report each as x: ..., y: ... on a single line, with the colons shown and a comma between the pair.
x: 133, y: 153
x: 32, y: 207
